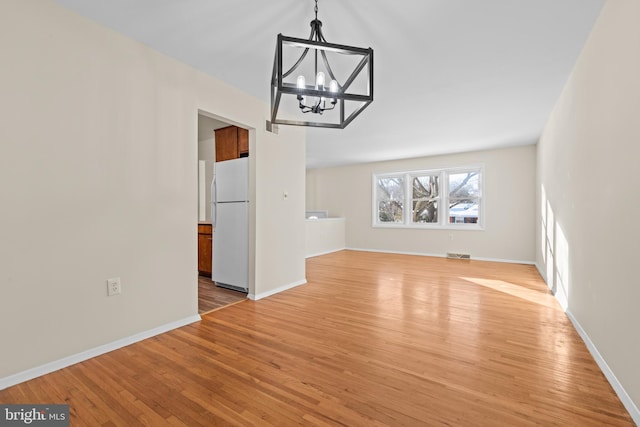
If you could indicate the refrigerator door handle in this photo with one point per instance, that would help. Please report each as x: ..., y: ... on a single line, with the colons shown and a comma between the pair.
x: 214, y: 205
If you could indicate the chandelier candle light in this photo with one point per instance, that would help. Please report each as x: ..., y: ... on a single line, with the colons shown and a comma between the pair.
x: 353, y: 95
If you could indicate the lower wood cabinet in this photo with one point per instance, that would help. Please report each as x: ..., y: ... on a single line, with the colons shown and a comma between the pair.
x: 205, y: 240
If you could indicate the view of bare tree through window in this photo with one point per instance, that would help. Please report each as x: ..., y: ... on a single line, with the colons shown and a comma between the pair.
x: 425, y: 199
x: 463, y: 197
x: 435, y: 198
x: 390, y: 199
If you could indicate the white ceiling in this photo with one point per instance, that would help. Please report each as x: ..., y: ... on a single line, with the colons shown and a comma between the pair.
x: 450, y: 75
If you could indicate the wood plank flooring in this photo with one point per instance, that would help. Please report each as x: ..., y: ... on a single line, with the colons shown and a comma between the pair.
x: 371, y: 340
x: 211, y: 297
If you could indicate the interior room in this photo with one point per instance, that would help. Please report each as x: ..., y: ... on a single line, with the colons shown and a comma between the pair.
x: 217, y: 140
x: 439, y: 236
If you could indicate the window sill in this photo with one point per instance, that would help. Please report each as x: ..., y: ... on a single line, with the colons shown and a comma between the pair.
x: 461, y: 227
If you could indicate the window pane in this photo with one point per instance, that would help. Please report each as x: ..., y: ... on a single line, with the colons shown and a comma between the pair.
x: 463, y: 213
x: 425, y: 187
x: 464, y: 185
x: 464, y: 193
x: 425, y: 204
x: 390, y: 196
x: 425, y: 211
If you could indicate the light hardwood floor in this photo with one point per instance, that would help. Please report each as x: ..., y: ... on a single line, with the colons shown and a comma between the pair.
x: 212, y: 297
x: 370, y: 340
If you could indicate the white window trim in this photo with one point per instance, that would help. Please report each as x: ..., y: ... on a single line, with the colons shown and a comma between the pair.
x: 443, y: 199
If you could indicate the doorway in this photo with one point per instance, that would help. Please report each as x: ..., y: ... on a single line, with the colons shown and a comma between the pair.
x: 210, y: 296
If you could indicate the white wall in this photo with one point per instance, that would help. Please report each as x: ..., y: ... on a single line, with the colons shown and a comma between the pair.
x: 280, y: 237
x: 587, y: 189
x: 324, y: 236
x: 508, y: 196
x: 98, y: 173
x: 207, y: 153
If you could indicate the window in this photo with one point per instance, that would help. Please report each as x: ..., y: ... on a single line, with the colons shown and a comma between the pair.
x: 390, y: 199
x: 464, y: 197
x: 444, y: 198
x: 425, y: 199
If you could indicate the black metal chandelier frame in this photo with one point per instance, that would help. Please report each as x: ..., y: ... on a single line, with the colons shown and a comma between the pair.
x: 334, y: 95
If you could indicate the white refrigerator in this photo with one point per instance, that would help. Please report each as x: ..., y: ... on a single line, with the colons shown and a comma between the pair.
x: 230, y: 219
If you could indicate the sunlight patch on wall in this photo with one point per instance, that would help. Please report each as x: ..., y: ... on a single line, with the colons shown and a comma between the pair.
x: 543, y: 225
x: 562, y: 267
x: 547, y: 237
x: 549, y: 241
x: 555, y: 252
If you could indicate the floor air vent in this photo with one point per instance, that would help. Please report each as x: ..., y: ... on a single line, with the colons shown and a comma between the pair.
x: 453, y: 255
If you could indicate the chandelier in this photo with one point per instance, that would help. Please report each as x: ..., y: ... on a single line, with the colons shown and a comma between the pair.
x: 348, y: 94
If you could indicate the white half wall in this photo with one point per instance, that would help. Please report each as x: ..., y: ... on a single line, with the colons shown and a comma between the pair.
x: 587, y: 230
x: 98, y: 179
x: 324, y: 236
x: 508, y: 196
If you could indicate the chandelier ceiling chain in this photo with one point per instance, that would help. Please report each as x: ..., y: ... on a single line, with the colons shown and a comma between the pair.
x: 318, y: 98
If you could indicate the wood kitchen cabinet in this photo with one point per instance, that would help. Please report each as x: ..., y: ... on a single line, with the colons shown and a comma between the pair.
x: 232, y: 142
x: 243, y: 142
x: 205, y: 240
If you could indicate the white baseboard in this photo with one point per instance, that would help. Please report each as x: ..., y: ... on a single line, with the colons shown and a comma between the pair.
x: 509, y: 261
x: 606, y: 370
x: 325, y: 253
x: 542, y: 274
x: 629, y: 405
x: 88, y: 354
x: 261, y: 295
x: 558, y: 293
x: 506, y: 261
x: 384, y: 251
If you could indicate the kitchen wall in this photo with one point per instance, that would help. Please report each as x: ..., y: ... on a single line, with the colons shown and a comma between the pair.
x: 207, y: 154
x: 587, y: 230
x: 509, y: 197
x: 98, y: 173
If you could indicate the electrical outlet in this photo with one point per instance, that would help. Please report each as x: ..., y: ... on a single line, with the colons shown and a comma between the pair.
x: 113, y: 286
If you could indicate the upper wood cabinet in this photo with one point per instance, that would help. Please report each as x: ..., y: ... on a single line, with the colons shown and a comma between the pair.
x: 243, y: 142
x: 232, y: 142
